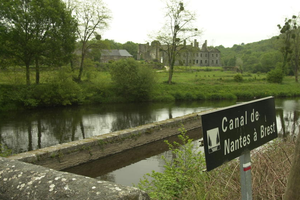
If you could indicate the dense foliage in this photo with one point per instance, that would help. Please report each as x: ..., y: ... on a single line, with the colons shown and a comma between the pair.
x: 132, y: 79
x: 261, y: 56
x: 238, y: 78
x: 275, y: 76
x: 43, y: 34
x: 59, y: 90
x: 36, y: 32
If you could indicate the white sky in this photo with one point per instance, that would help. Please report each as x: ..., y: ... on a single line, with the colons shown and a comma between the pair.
x: 224, y: 22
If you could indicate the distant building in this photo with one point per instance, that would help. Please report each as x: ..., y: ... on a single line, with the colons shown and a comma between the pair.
x: 192, y: 55
x: 114, y: 54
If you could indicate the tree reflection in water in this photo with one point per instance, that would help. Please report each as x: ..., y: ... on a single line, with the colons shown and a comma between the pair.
x: 287, y: 114
x: 33, y: 129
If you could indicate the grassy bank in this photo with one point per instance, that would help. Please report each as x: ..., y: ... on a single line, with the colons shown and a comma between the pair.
x: 57, y: 87
x: 196, y: 85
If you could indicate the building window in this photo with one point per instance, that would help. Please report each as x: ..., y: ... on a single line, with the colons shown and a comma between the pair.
x: 205, y: 61
x: 217, y: 62
x: 212, y: 55
x: 200, y: 61
x: 201, y: 55
x: 212, y: 62
x: 197, y: 61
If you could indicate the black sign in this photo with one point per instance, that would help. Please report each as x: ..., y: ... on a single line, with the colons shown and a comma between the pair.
x: 228, y: 132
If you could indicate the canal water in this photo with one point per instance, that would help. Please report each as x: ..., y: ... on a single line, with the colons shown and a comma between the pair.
x: 28, y: 130
x: 34, y: 129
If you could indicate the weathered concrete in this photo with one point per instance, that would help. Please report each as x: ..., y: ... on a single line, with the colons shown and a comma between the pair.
x: 19, y: 180
x: 71, y: 154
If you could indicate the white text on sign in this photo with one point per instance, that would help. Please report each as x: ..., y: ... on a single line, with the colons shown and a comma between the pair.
x: 230, y: 124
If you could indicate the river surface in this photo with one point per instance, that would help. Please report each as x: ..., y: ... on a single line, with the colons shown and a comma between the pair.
x: 33, y: 129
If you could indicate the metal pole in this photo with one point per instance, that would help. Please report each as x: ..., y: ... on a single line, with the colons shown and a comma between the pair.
x: 246, y: 180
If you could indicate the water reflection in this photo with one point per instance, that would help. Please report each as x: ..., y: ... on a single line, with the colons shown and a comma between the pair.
x: 128, y: 168
x: 287, y: 115
x: 29, y: 130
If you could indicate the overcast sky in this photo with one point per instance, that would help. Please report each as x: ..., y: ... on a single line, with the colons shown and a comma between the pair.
x: 223, y: 22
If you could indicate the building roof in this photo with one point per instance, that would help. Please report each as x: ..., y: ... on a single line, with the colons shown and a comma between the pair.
x: 116, y: 52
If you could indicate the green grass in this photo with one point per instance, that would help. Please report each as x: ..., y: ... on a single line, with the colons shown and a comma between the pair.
x: 189, y: 83
x: 221, y: 85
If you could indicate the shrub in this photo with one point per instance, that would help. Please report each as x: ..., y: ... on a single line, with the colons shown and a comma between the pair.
x: 200, y: 96
x: 244, y: 95
x: 59, y: 90
x: 238, y: 78
x: 178, y: 96
x: 215, y: 96
x: 189, y: 97
x: 163, y: 98
x: 275, y: 76
x: 179, y: 172
x: 132, y: 80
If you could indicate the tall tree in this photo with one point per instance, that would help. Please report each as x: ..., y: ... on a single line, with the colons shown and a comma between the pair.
x: 290, y: 35
x: 178, y: 28
x: 93, y: 17
x: 35, y: 28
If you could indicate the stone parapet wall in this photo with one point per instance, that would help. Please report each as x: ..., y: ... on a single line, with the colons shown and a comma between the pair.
x: 19, y: 180
x: 23, y: 180
x: 71, y: 154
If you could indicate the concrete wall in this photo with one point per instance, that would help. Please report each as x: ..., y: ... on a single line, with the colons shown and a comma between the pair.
x: 19, y: 180
x: 71, y: 154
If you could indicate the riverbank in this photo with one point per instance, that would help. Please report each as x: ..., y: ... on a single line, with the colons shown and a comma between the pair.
x: 58, y: 89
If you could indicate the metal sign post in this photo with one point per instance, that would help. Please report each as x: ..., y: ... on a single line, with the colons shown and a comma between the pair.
x: 245, y: 173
